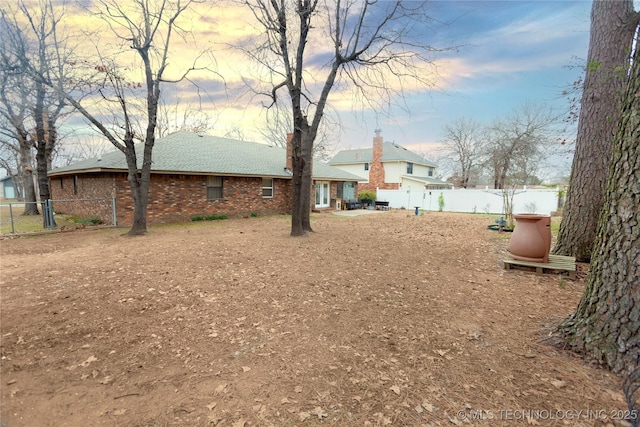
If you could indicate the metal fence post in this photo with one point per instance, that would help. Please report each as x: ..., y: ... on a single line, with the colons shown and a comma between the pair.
x: 11, y: 216
x: 113, y: 209
x: 44, y: 205
x: 52, y: 224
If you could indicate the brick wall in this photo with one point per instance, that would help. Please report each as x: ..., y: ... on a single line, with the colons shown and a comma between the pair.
x: 172, y: 198
x: 68, y: 192
x: 179, y: 197
x: 376, y: 169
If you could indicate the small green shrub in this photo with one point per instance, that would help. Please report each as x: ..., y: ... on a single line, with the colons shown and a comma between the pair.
x: 215, y: 217
x: 441, y: 202
x: 197, y: 218
x: 90, y: 220
x: 254, y: 215
x: 366, y: 195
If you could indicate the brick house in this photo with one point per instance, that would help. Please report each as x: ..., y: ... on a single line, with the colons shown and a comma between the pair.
x: 389, y: 166
x: 194, y: 174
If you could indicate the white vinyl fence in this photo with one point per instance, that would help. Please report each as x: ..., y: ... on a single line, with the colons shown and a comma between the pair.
x: 540, y: 201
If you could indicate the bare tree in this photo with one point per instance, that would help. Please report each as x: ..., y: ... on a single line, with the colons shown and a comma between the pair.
x: 15, y: 110
x: 518, y: 140
x: 464, y: 148
x: 147, y: 28
x: 606, y: 324
x: 613, y: 24
x: 278, y: 125
x: 177, y: 116
x: 32, y: 41
x: 11, y: 162
x: 308, y: 46
x: 81, y: 148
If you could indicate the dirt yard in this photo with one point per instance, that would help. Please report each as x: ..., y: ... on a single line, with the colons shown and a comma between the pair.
x: 373, y: 320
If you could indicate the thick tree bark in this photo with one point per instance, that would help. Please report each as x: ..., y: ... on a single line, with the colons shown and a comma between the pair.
x: 307, y: 178
x: 613, y: 24
x: 297, y: 207
x: 30, y: 198
x: 606, y: 324
x: 43, y: 135
x: 140, y: 195
x: 30, y: 206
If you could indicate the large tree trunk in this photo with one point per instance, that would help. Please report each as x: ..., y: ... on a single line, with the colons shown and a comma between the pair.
x: 307, y: 179
x: 30, y: 198
x: 140, y: 195
x: 613, y: 24
x: 43, y: 133
x: 297, y: 208
x: 606, y: 325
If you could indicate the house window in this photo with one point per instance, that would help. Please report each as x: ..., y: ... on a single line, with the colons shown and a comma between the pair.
x: 366, y: 166
x: 267, y: 187
x: 214, y: 187
x: 410, y: 168
x: 430, y: 171
x: 75, y: 185
x: 61, y: 183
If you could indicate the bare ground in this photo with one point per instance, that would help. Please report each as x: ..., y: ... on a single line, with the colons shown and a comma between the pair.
x: 386, y: 319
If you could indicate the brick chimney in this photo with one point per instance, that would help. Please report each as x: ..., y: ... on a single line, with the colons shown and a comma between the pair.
x: 377, y: 147
x: 289, y: 161
x: 376, y: 169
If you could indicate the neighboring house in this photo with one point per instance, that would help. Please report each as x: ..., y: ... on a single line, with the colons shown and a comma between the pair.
x: 7, y: 189
x: 389, y: 166
x: 194, y: 174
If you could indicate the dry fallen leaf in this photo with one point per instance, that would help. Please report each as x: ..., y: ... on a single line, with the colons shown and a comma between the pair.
x: 246, y: 369
x: 89, y: 360
x: 214, y: 418
x: 303, y: 416
x: 395, y: 389
x: 428, y: 406
x: 455, y: 421
x: 211, y: 405
x: 319, y: 412
x: 558, y: 383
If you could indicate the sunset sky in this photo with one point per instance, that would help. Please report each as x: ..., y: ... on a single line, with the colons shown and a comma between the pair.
x: 511, y: 52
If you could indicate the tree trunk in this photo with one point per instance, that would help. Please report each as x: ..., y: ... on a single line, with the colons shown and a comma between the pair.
x: 613, y: 24
x: 42, y: 162
x: 307, y: 179
x: 296, y: 203
x: 30, y: 198
x: 606, y: 324
x: 140, y: 198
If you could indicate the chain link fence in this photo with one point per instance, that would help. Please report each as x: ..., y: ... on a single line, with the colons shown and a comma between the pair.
x: 53, y: 214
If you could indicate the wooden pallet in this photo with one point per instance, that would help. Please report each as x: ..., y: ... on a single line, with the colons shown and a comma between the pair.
x: 556, y: 263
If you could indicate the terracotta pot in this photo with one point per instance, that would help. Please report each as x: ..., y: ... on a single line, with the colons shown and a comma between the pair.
x: 531, y: 238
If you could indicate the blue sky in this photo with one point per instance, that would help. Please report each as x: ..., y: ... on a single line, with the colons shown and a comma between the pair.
x: 512, y: 52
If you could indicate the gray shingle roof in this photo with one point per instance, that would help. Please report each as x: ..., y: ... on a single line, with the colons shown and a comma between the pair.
x: 391, y: 152
x: 186, y: 152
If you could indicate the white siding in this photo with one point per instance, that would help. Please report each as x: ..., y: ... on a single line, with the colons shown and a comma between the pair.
x: 393, y: 171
